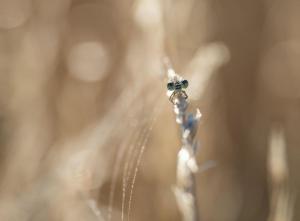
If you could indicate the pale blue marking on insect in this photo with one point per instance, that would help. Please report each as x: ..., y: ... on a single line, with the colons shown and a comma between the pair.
x: 177, y: 88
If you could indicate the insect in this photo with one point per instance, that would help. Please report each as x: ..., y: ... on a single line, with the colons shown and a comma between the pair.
x: 178, y: 89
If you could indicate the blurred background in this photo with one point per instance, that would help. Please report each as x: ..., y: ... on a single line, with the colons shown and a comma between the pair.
x: 87, y: 131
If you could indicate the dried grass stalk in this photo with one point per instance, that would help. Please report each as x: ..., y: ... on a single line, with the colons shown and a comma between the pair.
x: 282, y: 198
x: 185, y: 189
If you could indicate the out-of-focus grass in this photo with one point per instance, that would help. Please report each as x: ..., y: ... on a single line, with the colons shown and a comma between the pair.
x: 79, y: 78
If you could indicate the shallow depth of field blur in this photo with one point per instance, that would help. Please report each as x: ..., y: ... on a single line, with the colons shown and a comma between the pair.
x: 83, y: 90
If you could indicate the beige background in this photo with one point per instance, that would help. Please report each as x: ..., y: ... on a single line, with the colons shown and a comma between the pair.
x: 82, y: 84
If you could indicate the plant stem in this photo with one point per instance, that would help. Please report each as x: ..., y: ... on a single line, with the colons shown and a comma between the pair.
x: 185, y: 190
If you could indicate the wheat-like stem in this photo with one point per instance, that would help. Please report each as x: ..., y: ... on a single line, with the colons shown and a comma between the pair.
x: 185, y: 189
x: 282, y: 200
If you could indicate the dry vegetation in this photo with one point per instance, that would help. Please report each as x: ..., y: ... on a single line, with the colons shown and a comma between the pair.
x: 84, y: 117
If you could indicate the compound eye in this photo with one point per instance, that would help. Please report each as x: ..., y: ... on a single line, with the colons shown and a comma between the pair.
x: 185, y: 83
x: 171, y: 86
